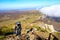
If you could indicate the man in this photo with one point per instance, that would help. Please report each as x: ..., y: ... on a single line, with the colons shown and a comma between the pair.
x: 18, y: 28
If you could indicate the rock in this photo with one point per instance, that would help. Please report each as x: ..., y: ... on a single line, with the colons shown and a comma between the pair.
x: 50, y: 27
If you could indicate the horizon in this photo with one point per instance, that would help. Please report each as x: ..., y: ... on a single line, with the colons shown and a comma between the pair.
x: 26, y: 4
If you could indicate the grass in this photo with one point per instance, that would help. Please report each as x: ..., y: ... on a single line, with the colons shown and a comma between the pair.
x: 26, y: 21
x: 1, y: 37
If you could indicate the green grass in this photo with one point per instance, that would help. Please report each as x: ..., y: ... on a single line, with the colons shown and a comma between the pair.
x: 7, y: 25
x: 1, y: 37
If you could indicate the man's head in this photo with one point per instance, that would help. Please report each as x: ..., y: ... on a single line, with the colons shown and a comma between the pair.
x: 18, y: 23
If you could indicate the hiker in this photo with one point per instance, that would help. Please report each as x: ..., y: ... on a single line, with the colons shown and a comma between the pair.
x: 18, y: 28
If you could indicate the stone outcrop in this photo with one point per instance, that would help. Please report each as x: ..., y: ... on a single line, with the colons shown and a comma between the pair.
x: 50, y: 27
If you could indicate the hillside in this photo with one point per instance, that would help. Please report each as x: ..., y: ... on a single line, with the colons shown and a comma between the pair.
x: 52, y: 21
x: 29, y: 19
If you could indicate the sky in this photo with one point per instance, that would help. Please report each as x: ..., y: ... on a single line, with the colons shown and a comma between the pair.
x: 21, y: 4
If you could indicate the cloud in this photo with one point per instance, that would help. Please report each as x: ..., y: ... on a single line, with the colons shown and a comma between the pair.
x: 53, y: 11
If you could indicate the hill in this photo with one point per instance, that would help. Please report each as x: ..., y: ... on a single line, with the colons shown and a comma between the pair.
x: 29, y: 19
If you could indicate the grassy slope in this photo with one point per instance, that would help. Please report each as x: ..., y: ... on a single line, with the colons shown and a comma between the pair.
x: 26, y: 21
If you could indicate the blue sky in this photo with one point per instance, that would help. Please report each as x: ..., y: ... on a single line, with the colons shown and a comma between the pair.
x: 21, y: 4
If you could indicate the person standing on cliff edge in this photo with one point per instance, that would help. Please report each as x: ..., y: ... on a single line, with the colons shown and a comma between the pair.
x: 18, y: 28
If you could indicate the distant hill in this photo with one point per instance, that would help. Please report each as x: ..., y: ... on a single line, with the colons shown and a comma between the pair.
x: 16, y: 14
x: 57, y: 19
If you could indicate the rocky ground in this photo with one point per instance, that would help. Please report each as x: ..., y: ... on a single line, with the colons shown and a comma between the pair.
x: 32, y: 19
x: 33, y: 35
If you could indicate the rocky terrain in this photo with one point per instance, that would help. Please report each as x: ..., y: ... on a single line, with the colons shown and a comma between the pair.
x: 42, y: 26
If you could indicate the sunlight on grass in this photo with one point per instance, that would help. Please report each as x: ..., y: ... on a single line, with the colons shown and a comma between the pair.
x: 28, y: 21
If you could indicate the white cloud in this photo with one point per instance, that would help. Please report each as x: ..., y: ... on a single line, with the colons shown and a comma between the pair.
x: 53, y: 10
